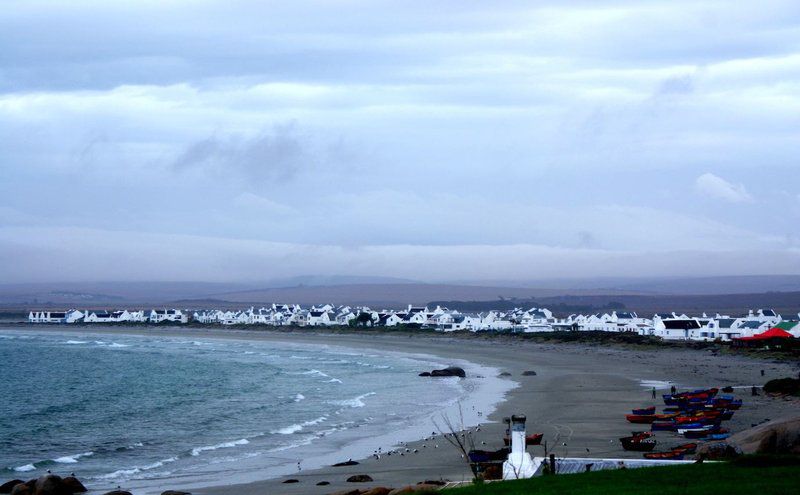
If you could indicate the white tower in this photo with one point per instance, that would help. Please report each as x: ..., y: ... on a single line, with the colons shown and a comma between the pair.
x: 519, y: 464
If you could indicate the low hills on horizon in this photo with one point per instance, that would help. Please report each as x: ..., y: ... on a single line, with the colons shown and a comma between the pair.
x: 728, y: 294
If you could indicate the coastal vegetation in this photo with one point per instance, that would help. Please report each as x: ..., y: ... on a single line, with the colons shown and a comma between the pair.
x: 745, y: 476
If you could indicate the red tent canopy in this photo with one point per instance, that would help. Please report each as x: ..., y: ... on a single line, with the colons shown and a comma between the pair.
x: 772, y: 333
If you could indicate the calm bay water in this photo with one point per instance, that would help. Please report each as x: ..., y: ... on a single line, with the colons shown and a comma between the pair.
x: 141, y: 411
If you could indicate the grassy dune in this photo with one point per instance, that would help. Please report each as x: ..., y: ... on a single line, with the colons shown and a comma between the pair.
x: 701, y: 479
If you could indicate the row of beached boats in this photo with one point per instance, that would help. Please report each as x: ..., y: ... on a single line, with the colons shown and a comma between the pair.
x: 695, y: 415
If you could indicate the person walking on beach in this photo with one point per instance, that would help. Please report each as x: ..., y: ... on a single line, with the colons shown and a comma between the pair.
x: 654, y: 392
x: 672, y: 390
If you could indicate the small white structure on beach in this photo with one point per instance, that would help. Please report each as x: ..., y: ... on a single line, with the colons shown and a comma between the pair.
x: 519, y: 464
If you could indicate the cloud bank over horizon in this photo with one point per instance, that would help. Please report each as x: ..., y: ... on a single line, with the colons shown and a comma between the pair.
x: 447, y: 141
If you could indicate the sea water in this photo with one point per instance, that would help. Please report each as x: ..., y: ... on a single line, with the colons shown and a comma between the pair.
x: 151, y: 412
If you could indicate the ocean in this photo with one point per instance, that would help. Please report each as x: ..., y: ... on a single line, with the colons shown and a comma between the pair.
x: 156, y: 412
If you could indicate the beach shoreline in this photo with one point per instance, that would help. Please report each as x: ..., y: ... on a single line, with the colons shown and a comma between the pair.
x: 577, y: 398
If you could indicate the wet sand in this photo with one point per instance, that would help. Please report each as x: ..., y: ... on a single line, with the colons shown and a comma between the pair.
x: 578, y: 399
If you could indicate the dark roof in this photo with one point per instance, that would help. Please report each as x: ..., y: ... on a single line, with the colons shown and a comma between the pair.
x: 725, y: 322
x: 681, y: 324
x: 751, y: 324
x: 768, y: 312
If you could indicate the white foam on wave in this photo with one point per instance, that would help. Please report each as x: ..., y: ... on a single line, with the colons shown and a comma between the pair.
x: 126, y: 473
x: 76, y: 342
x: 72, y: 459
x: 315, y: 373
x: 114, y: 344
x: 291, y: 429
x: 334, y: 380
x: 225, y: 445
x: 355, y: 402
x: 299, y: 397
x: 26, y: 467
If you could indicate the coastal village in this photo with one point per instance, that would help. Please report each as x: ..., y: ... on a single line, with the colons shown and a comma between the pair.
x: 759, y: 324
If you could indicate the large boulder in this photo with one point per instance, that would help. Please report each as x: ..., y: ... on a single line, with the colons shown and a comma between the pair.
x: 781, y: 436
x: 450, y: 371
x: 9, y: 485
x: 51, y: 484
x: 72, y: 484
x: 378, y: 490
x: 22, y: 489
x: 359, y: 478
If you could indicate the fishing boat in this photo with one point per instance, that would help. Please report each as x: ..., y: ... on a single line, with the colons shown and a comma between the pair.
x: 686, y: 448
x: 488, y: 455
x: 644, y: 411
x: 675, y: 456
x: 693, y: 396
x: 663, y: 426
x: 718, y: 436
x: 640, y: 418
x: 532, y: 439
x: 639, y: 442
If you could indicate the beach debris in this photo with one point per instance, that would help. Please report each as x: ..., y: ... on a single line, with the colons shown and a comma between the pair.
x: 359, y: 478
x: 529, y: 373
x: 348, y: 462
x: 291, y: 480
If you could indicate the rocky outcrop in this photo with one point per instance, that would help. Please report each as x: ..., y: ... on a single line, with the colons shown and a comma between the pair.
x: 449, y: 371
x: 74, y: 485
x: 9, y: 485
x: 323, y: 483
x: 359, y: 478
x: 291, y: 480
x: 48, y: 484
x: 118, y: 492
x: 23, y: 488
x: 378, y: 490
x: 528, y: 373
x: 175, y: 492
x: 349, y: 462
x: 51, y: 484
x: 775, y: 437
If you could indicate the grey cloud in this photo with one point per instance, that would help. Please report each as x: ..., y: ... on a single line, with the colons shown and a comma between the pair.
x: 279, y: 156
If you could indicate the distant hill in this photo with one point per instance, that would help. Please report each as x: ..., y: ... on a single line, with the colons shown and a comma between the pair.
x: 389, y: 295
x: 731, y: 284
x: 785, y: 303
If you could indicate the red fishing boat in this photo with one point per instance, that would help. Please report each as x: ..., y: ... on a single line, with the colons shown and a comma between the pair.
x: 674, y: 456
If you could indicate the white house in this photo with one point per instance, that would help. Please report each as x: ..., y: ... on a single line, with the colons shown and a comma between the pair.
x: 171, y: 315
x: 70, y: 316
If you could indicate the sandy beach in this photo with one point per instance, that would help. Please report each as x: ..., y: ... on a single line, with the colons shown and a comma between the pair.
x: 578, y: 399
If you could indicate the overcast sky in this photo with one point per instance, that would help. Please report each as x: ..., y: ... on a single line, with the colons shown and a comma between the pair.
x: 447, y: 140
